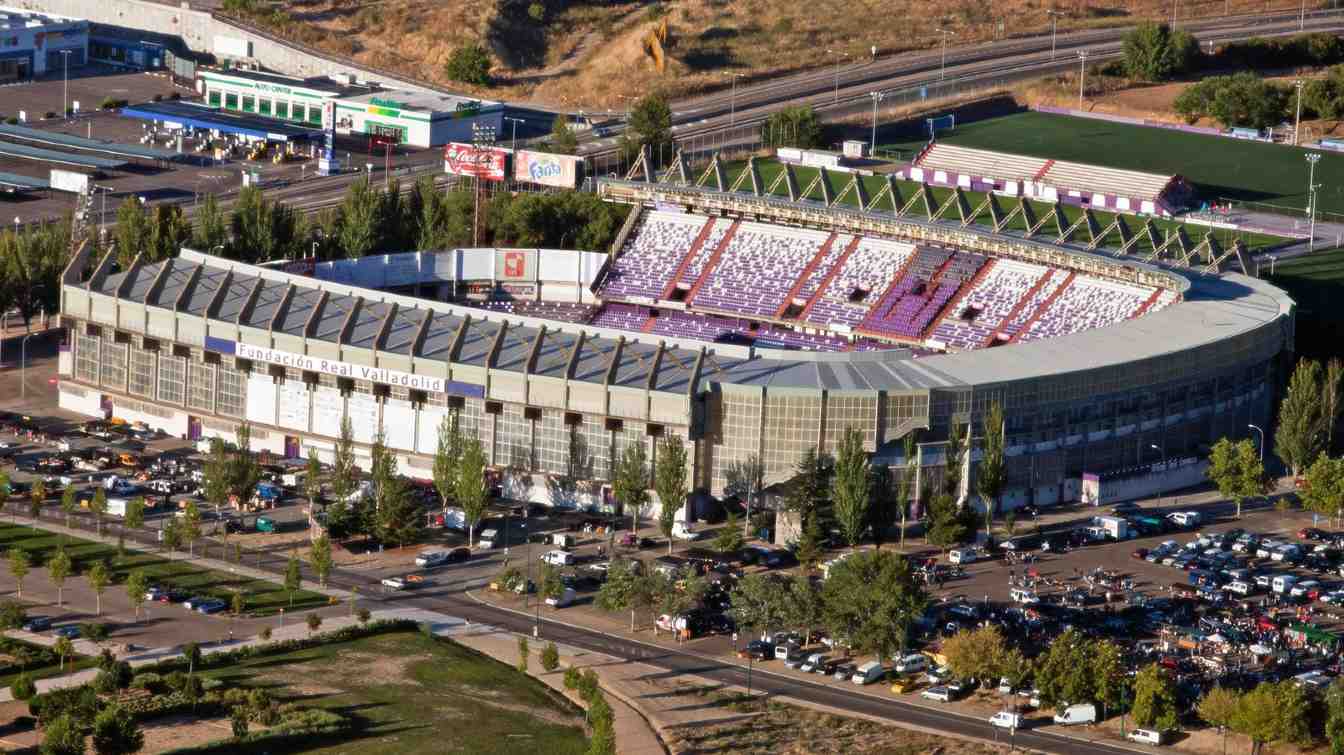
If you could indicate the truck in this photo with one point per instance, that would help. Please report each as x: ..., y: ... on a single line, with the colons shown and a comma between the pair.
x: 1116, y: 527
x: 117, y: 506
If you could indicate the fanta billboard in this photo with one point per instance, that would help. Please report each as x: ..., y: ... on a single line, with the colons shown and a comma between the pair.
x: 469, y: 160
x: 546, y: 169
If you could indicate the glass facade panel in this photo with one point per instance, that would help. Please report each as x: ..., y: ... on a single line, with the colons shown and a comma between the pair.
x: 172, y: 379
x: 86, y: 358
x: 114, y: 365
x: 232, y: 391
x: 201, y: 386
x: 513, y: 439
x: 143, y: 371
x: 792, y: 422
x: 552, y: 442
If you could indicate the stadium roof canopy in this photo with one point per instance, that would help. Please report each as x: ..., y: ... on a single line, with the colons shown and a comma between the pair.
x: 1002, y: 166
x: 1214, y: 308
x: 16, y: 181
x: 25, y: 152
x: 56, y: 138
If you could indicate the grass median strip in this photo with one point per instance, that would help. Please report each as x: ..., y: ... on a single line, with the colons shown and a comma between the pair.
x: 261, y: 598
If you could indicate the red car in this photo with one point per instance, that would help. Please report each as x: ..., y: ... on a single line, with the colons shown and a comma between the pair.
x: 1139, y: 553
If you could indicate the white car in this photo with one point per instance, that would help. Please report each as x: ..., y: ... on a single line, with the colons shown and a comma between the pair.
x: 937, y: 694
x: 557, y: 558
x: 1023, y: 596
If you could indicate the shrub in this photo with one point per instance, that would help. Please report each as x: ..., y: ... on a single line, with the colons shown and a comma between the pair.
x: 550, y: 657
x: 239, y: 721
x: 11, y: 120
x: 572, y: 678
x: 23, y: 687
x: 175, y: 681
x: 105, y: 683
x: 469, y: 64
x: 522, y: 654
x: 12, y: 614
x: 149, y: 680
x: 588, y: 684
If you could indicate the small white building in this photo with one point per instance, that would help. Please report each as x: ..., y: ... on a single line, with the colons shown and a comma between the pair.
x: 32, y: 44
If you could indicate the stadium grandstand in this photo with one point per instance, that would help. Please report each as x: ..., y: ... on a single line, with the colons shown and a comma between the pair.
x: 1050, y: 180
x: 743, y: 326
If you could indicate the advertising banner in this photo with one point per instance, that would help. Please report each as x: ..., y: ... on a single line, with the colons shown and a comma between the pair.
x: 469, y: 160
x: 546, y: 169
x: 68, y: 180
x: 516, y: 264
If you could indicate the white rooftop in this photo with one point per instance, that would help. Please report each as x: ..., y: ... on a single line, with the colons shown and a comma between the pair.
x: 19, y: 18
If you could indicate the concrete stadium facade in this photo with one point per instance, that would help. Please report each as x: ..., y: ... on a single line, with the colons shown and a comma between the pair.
x: 197, y: 344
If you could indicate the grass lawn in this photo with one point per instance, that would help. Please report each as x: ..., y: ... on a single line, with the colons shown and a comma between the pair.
x: 262, y: 597
x: 1315, y: 282
x: 1218, y: 166
x: 10, y: 669
x: 770, y: 169
x: 413, y: 694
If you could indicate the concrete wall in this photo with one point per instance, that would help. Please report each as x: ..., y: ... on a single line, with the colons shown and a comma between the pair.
x: 198, y: 29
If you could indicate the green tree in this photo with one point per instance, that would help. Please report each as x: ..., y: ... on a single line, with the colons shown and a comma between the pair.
x: 906, y: 484
x: 217, y: 474
x: 245, y: 470
x: 811, y: 478
x: 58, y: 568
x: 137, y: 589
x: 563, y: 140
x: 264, y: 230
x: 1067, y: 673
x: 319, y: 557
x: 98, y: 507
x: 1334, y: 716
x: 992, y: 474
x: 1112, y: 684
x: 729, y: 538
x: 312, y: 480
x: 22, y: 688
x: 1154, y: 700
x: 744, y: 479
x: 212, y: 226
x: 469, y: 64
x: 314, y: 622
x: 132, y: 232
x: 135, y: 514
x: 63, y: 648
x: 469, y: 489
x: 238, y: 722
x: 1236, y: 469
x: 191, y: 526
x: 1323, y: 490
x: 19, y: 565
x: 172, y: 536
x: 446, y: 456
x: 115, y: 732
x: 849, y: 486
x: 669, y: 481
x: 1219, y: 706
x: 344, y: 478
x: 69, y: 505
x: 649, y: 125
x: 1301, y: 433
x: 805, y: 608
x: 810, y: 544
x: 293, y: 576
x: 795, y: 126
x: 63, y: 736
x: 871, y: 599
x: 1154, y: 52
x: 1332, y: 398
x: 630, y: 483
x: 760, y: 603
x: 981, y: 653
x: 38, y: 495
x: 626, y: 589
x: 399, y: 519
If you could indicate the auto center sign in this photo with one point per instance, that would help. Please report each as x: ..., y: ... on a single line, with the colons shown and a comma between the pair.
x: 470, y: 160
x: 546, y: 169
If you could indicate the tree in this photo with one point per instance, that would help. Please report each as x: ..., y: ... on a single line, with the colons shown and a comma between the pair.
x: 522, y: 654
x: 63, y: 736
x: 669, y: 481
x: 1218, y: 707
x: 399, y: 519
x: 137, y: 589
x: 69, y: 505
x: 19, y: 565
x: 992, y: 474
x: 796, y: 126
x: 135, y: 514
x: 293, y: 576
x: 1258, y: 717
x: 469, y: 64
x: 1154, y: 52
x: 22, y: 688
x: 58, y: 568
x: 649, y: 125
x: 810, y: 544
x: 1111, y: 683
x: 551, y: 585
x: 38, y: 495
x: 446, y: 457
x: 314, y: 622
x: 212, y: 226
x: 744, y: 480
x: 980, y: 653
x: 1154, y: 699
x: 808, y: 485
x: 729, y: 538
x: 312, y: 480
x: 1300, y: 437
x: 191, y: 526
x: 630, y: 482
x: 238, y: 722
x: 217, y: 474
x: 849, y: 486
x: 550, y: 657
x: 1332, y: 397
x: 1237, y: 470
x: 132, y: 232
x: 1334, y: 716
x: 319, y: 557
x: 563, y: 140
x: 956, y: 452
x: 626, y: 589
x: 760, y: 602
x: 115, y: 732
x: 172, y: 536
x: 804, y: 605
x: 1323, y: 490
x: 947, y: 523
x: 244, y: 470
x: 469, y: 490
x: 264, y: 230
x: 63, y: 648
x: 906, y: 484
x: 871, y: 599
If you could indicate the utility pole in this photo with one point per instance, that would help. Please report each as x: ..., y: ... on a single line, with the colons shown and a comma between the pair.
x: 65, y: 84
x: 942, y: 67
x: 1174, y: 4
x: 1054, y: 17
x: 1297, y: 119
x: 732, y: 102
x: 1302, y: 17
x: 877, y: 97
x: 838, y: 56
x: 1082, y: 75
x: 1312, y: 157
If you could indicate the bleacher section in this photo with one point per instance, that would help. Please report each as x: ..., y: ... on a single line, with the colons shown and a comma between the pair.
x: 682, y: 276
x: 548, y: 310
x: 981, y: 162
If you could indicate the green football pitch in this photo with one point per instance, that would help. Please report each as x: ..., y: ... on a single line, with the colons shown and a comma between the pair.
x: 1220, y: 168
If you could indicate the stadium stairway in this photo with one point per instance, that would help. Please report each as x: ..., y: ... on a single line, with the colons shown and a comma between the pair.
x: 951, y: 306
x: 649, y: 324
x: 1044, y: 169
x: 1017, y: 308
x: 806, y: 273
x: 1150, y: 301
x: 1045, y: 307
x: 690, y: 255
x: 713, y: 261
x: 834, y: 271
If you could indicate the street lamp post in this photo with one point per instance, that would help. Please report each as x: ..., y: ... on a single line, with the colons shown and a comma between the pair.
x: 1312, y: 157
x: 1297, y: 118
x: 65, y: 83
x: 942, y: 67
x: 513, y: 141
x: 877, y: 97
x: 23, y: 366
x: 732, y: 100
x: 1082, y: 75
x: 1262, y: 441
x: 1054, y: 17
x: 1158, y: 449
x: 838, y: 56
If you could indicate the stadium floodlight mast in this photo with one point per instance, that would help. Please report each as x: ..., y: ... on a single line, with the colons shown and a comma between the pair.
x: 942, y: 67
x: 1312, y: 157
x: 877, y: 97
x: 483, y: 138
x: 513, y: 142
x: 1082, y: 75
x: 1297, y: 119
x: 1054, y: 17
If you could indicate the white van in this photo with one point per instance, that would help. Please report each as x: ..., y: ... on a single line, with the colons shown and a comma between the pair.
x: 1006, y: 720
x: 1283, y: 583
x: 911, y: 664
x: 962, y: 555
x: 1024, y: 596
x: 558, y: 558
x: 565, y: 597
x: 1238, y: 587
x: 431, y: 558
x: 868, y: 673
x: 1145, y: 736
x: 489, y: 539
x: 1082, y: 713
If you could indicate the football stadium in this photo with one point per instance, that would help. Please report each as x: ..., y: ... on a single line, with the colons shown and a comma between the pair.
x: 748, y: 326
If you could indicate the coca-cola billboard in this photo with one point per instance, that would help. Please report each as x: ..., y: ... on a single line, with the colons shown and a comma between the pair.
x: 489, y: 163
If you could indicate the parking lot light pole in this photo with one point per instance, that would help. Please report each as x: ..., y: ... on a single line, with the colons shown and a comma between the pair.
x: 23, y: 366
x: 942, y: 67
x: 1258, y: 429
x: 65, y: 83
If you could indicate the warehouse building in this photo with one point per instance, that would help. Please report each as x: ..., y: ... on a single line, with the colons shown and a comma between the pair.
x: 416, y: 119
x: 32, y: 44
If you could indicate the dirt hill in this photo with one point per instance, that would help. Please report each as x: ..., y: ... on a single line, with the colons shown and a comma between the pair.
x: 591, y: 55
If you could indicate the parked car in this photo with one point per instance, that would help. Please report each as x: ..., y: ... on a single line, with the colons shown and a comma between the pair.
x: 1082, y: 713
x: 558, y: 558
x: 758, y: 649
x: 1145, y: 736
x: 37, y: 624
x: 211, y: 606
x: 1006, y: 720
x: 938, y: 694
x: 69, y: 631
x: 868, y: 673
